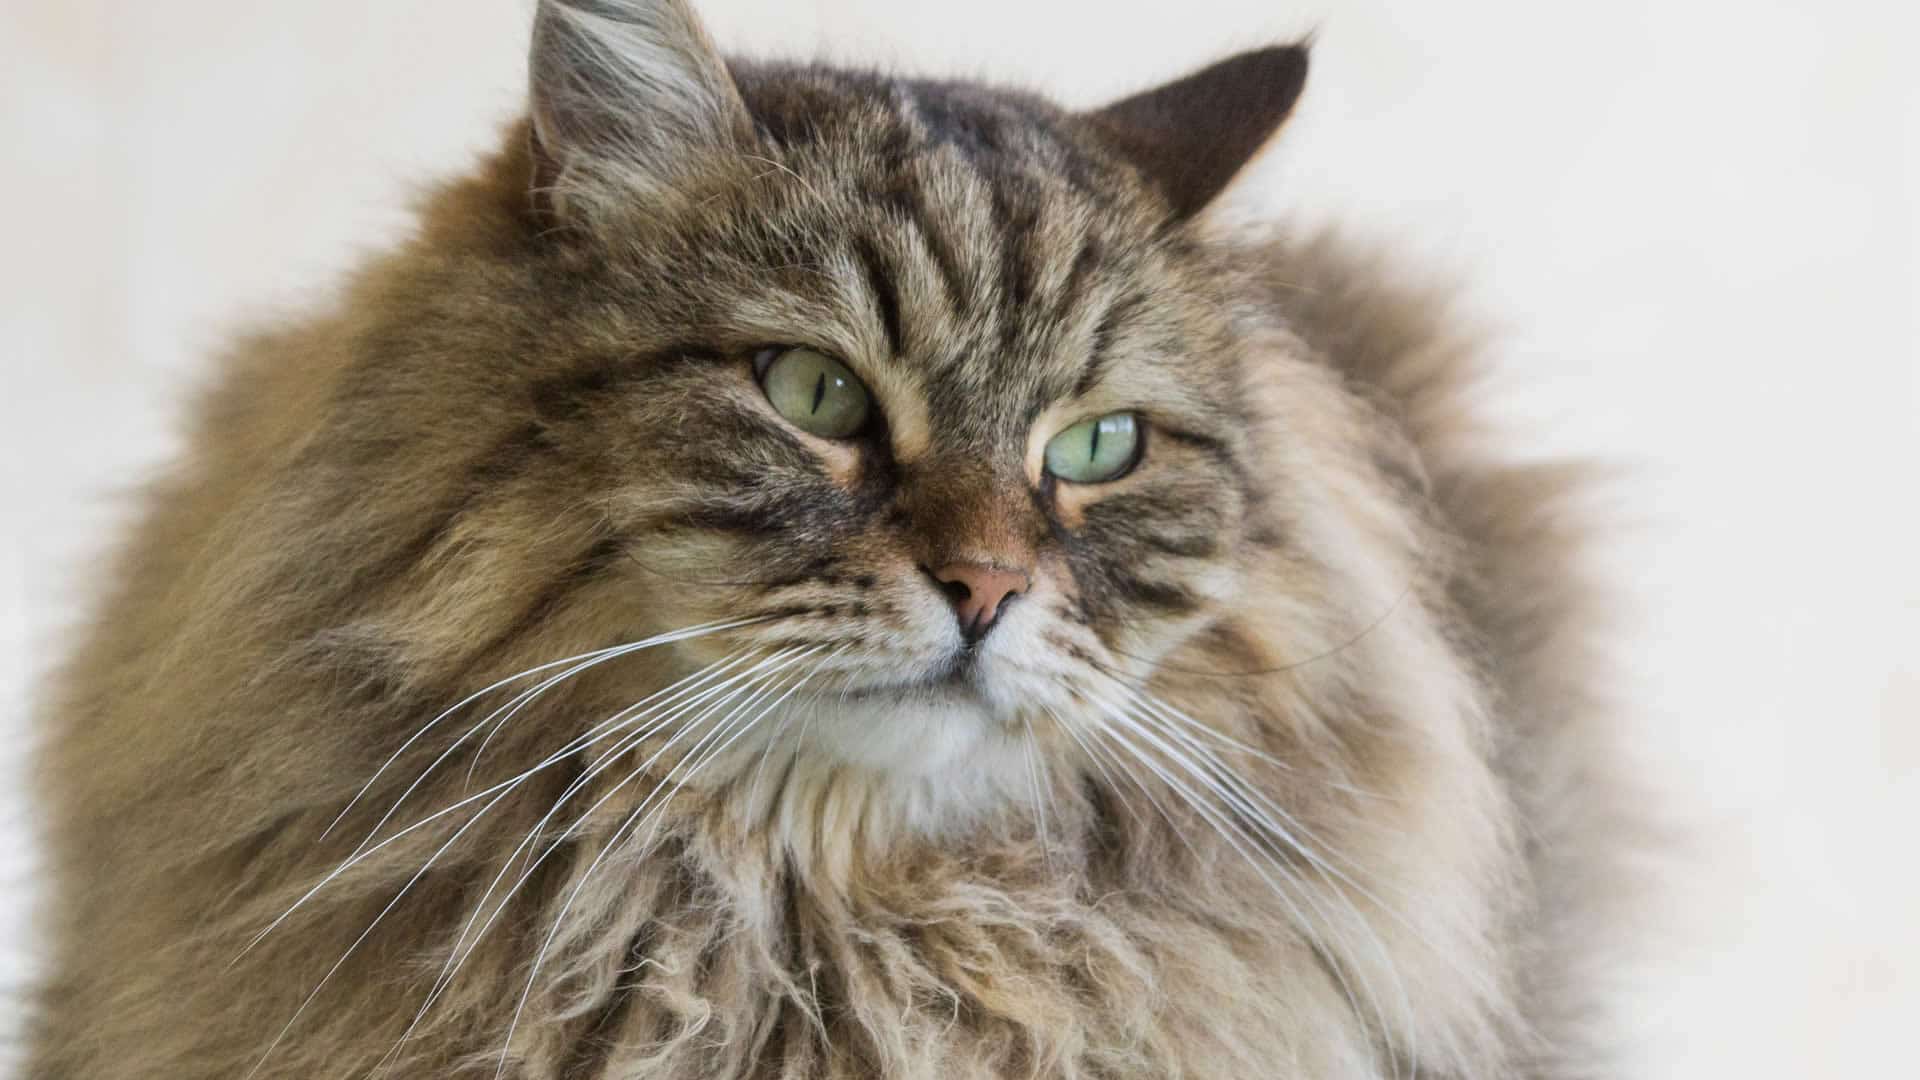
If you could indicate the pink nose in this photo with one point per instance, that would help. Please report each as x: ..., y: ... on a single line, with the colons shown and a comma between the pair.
x: 978, y: 592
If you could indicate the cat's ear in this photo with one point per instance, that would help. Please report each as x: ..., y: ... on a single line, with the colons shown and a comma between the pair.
x: 625, y: 93
x: 1191, y: 136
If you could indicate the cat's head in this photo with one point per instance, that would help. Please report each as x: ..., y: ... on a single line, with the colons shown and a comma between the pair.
x: 930, y: 395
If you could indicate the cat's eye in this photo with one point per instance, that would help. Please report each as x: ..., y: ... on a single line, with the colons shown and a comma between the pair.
x: 1097, y: 450
x: 814, y: 391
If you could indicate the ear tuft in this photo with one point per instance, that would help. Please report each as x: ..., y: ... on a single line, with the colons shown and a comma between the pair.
x: 626, y: 90
x: 1192, y: 136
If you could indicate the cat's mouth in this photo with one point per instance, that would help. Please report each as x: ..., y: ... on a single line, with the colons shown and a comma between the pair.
x: 957, y: 677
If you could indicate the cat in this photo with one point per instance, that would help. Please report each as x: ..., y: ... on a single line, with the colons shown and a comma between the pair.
x: 801, y: 572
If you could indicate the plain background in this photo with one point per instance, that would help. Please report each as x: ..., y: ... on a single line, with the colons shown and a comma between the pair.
x: 1691, y: 223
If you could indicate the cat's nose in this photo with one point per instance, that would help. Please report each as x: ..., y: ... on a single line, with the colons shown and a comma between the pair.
x: 978, y: 593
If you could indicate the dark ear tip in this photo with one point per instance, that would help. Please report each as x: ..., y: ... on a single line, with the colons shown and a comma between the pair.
x: 1281, y: 68
x: 1190, y: 136
x: 1291, y: 54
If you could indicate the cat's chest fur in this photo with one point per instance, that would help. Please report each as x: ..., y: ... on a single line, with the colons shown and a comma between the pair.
x: 987, y: 963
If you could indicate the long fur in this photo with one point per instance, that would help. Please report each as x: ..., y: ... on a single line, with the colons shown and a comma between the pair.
x: 1297, y: 768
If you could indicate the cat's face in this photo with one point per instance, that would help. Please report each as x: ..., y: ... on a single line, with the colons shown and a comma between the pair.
x: 929, y: 389
x: 965, y: 425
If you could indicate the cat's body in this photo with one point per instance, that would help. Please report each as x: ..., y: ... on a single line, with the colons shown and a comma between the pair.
x: 1281, y: 761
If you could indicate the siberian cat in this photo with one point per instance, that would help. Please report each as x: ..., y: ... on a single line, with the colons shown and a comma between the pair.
x: 798, y: 572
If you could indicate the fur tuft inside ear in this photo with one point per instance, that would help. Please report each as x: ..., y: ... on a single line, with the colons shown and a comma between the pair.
x: 625, y: 91
x: 1191, y: 137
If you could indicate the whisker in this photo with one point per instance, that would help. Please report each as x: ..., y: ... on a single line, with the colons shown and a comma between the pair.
x: 613, y: 842
x: 592, y: 660
x: 362, y: 856
x: 1039, y: 810
x: 594, y: 735
x: 1247, y: 798
x: 374, y: 924
x: 364, y: 934
x: 635, y: 735
x: 506, y: 715
x: 1413, y: 583
x: 1099, y: 763
x: 1236, y: 826
x: 1135, y: 686
x: 761, y: 674
x: 1121, y: 763
x: 1242, y: 841
x: 753, y: 790
x: 1261, y: 808
x: 431, y: 724
x: 639, y: 727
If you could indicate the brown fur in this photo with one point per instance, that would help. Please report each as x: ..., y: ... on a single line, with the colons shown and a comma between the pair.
x: 533, y: 430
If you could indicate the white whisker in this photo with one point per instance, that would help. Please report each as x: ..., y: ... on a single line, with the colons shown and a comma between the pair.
x: 1247, y: 844
x: 614, y: 841
x: 1234, y: 829
x: 759, y: 675
x: 753, y: 790
x: 364, y: 934
x: 1262, y: 809
x: 431, y: 724
x: 609, y: 652
x: 377, y: 919
x: 639, y: 726
x: 1136, y: 688
x: 593, y: 659
x: 594, y: 735
x: 1039, y: 808
x: 752, y: 677
x: 1098, y: 762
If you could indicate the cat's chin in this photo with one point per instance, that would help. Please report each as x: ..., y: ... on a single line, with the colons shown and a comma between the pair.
x: 938, y: 741
x: 910, y: 730
x: 959, y: 680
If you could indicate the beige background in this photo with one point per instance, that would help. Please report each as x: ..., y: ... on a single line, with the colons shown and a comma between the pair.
x: 1694, y: 223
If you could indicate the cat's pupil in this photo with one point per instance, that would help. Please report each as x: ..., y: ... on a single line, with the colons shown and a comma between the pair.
x: 819, y: 392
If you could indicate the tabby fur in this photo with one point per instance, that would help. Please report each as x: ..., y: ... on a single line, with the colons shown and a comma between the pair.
x: 532, y: 430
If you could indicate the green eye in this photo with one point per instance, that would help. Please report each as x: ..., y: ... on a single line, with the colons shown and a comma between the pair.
x: 1097, y: 450
x: 816, y: 392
